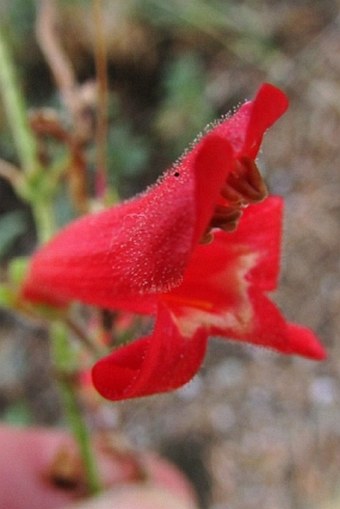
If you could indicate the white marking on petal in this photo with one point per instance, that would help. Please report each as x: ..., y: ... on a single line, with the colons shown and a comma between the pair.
x: 238, y: 318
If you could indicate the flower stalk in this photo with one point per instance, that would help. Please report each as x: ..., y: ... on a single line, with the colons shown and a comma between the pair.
x: 63, y: 359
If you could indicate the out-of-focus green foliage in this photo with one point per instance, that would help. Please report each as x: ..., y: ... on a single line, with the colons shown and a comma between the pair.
x: 12, y: 225
x: 17, y: 414
x: 238, y: 27
x: 19, y: 16
x: 128, y: 154
x: 185, y: 108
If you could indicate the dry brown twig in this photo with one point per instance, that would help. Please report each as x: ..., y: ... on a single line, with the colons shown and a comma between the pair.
x: 78, y: 99
x: 48, y: 37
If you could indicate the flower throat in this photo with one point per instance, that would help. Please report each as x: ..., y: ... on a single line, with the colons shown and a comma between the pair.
x: 244, y: 186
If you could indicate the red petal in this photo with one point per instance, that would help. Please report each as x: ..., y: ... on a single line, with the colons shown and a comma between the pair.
x: 215, y: 288
x: 270, y: 329
x: 212, y: 165
x: 260, y: 229
x: 137, y: 247
x: 219, y: 274
x: 245, y: 129
x: 269, y: 104
x: 223, y: 285
x: 158, y: 363
x: 305, y: 342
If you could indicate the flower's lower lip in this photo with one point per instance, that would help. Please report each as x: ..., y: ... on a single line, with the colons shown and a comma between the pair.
x: 244, y: 186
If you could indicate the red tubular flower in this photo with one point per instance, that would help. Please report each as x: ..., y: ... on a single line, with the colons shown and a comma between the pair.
x: 193, y: 250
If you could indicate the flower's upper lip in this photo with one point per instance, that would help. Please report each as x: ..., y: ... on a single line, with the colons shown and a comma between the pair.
x: 235, y: 139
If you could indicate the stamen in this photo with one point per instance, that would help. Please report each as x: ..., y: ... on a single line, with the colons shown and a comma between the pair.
x: 230, y: 194
x: 244, y: 186
x: 247, y: 181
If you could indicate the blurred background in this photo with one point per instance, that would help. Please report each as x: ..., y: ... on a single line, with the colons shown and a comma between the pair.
x: 253, y: 429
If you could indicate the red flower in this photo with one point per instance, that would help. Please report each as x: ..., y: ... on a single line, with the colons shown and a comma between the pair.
x: 182, y: 252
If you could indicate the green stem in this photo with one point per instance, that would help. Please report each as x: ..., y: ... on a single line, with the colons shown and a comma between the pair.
x: 43, y: 216
x: 62, y: 356
x: 25, y: 143
x: 15, y: 108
